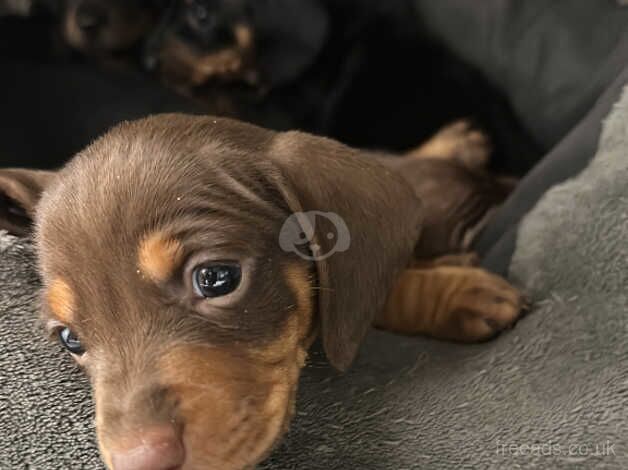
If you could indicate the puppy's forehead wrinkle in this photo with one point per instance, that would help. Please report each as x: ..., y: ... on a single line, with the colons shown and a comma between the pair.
x: 223, y: 208
x: 251, y: 185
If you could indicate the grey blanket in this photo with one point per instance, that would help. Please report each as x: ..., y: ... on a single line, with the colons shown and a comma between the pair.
x: 551, y: 393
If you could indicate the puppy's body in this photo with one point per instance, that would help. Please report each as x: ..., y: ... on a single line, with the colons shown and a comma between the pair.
x: 457, y: 203
x: 191, y: 380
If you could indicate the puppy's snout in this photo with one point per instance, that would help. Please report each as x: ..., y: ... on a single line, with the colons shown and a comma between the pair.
x: 91, y: 16
x: 160, y: 448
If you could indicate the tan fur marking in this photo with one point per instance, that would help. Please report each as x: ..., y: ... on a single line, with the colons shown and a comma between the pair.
x: 158, y: 256
x: 299, y: 281
x: 243, y: 35
x: 191, y: 68
x: 291, y: 345
x: 60, y: 300
x: 256, y: 403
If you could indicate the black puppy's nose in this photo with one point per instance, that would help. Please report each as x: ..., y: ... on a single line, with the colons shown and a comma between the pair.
x: 91, y: 16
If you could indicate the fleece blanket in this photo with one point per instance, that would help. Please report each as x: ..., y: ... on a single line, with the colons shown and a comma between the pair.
x: 550, y: 393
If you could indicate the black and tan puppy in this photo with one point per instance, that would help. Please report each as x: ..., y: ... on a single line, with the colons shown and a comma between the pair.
x: 260, y: 42
x: 15, y: 7
x: 104, y: 27
x: 189, y: 262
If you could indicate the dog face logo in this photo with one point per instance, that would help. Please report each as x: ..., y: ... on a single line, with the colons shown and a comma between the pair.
x: 297, y: 235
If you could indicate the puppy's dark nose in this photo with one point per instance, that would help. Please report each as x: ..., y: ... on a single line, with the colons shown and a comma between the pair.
x: 159, y: 448
x: 91, y: 16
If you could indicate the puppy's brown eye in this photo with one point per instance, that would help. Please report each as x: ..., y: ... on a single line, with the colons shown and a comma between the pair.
x: 70, y: 341
x: 215, y: 280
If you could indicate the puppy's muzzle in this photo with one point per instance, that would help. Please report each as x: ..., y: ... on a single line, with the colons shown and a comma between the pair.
x: 158, y: 448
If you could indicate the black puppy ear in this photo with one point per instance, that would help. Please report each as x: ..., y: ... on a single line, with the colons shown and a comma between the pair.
x: 289, y: 34
x: 361, y: 220
x: 20, y: 190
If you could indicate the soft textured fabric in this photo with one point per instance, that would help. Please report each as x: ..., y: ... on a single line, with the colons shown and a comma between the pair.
x: 551, y: 393
x: 46, y: 417
x: 496, y: 243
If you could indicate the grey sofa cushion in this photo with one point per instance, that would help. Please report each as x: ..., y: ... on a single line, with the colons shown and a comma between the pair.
x: 496, y: 243
x: 553, y: 59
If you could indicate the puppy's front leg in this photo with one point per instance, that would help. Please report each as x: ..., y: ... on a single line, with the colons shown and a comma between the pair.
x: 456, y: 303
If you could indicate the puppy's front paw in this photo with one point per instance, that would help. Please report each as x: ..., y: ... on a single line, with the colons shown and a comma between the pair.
x: 483, y: 307
x: 459, y: 303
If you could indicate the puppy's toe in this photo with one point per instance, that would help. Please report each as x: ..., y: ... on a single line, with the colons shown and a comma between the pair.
x: 458, y: 141
x: 487, y: 308
x: 470, y: 146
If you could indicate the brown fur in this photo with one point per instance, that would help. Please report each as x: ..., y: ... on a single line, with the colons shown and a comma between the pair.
x: 218, y: 377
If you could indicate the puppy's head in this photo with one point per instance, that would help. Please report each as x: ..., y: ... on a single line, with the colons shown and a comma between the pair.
x: 99, y: 27
x: 170, y: 275
x: 261, y: 42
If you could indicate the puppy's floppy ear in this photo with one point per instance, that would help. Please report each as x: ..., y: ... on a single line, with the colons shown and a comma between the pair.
x: 335, y: 191
x: 291, y: 34
x: 20, y: 190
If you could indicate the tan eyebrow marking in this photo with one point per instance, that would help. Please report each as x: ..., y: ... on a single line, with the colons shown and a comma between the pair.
x: 60, y: 299
x: 158, y: 256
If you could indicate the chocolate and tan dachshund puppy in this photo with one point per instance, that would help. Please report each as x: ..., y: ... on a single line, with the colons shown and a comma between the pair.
x: 189, y: 263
